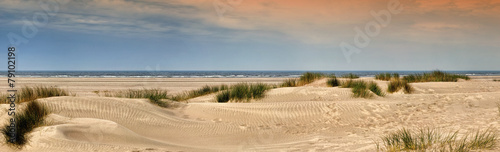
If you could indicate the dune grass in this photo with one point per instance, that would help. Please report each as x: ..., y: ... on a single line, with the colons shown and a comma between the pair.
x: 350, y: 76
x: 5, y: 98
x: 407, y: 87
x: 140, y: 93
x: 434, y: 140
x: 223, y: 96
x: 309, y: 77
x: 434, y: 76
x: 352, y: 83
x: 32, y: 93
x: 243, y: 92
x: 304, y: 79
x: 396, y: 75
x: 347, y: 84
x: 375, y: 89
x: 397, y: 84
x: 333, y: 82
x: 394, y: 86
x: 359, y: 88
x: 386, y: 76
x: 154, y: 95
x: 238, y: 92
x: 105, y: 93
x: 496, y: 80
x: 199, y: 92
x: 25, y: 121
x: 289, y: 83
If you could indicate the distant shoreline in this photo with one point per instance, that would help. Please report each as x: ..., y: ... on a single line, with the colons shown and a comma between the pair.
x: 213, y: 74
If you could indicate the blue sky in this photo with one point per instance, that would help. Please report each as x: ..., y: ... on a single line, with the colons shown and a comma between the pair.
x: 251, y: 35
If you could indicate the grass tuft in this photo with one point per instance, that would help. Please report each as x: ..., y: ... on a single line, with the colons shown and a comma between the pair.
x: 434, y: 76
x: 25, y: 121
x: 223, y: 97
x: 350, y: 76
x: 304, y: 79
x: 375, y: 89
x: 243, y: 92
x: 199, y: 92
x: 257, y: 90
x: 483, y: 139
x: 360, y: 90
x: 433, y: 140
x: 154, y: 95
x: 397, y: 84
x: 358, y: 87
x: 289, y: 83
x: 333, y: 82
x: 347, y: 84
x: 240, y: 91
x: 394, y: 85
x: 309, y: 77
x: 32, y: 93
x: 395, y: 75
x: 407, y: 87
x: 405, y: 139
x: 386, y: 76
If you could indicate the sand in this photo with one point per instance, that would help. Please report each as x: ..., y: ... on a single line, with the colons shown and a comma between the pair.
x: 309, y: 118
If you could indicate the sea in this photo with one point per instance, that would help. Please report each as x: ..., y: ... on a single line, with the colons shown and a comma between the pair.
x: 214, y: 74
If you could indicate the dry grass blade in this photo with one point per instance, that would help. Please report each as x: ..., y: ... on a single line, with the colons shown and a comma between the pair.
x: 31, y: 117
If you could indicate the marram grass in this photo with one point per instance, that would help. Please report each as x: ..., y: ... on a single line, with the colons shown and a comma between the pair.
x: 396, y: 85
x: 434, y: 140
x: 223, y: 96
x: 350, y: 76
x: 32, y: 93
x: 154, y: 95
x: 434, y: 76
x: 290, y: 83
x: 309, y: 77
x: 359, y: 88
x: 243, y: 92
x: 333, y: 82
x: 386, y: 76
x: 362, y: 89
x: 32, y: 116
x: 375, y: 89
x: 199, y: 92
x: 304, y: 79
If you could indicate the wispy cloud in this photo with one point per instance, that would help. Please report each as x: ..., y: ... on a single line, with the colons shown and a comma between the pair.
x: 323, y: 22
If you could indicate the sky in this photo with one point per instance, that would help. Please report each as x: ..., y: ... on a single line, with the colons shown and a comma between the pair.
x: 323, y: 35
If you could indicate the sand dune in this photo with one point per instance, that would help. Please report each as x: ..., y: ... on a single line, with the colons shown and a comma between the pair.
x: 309, y: 118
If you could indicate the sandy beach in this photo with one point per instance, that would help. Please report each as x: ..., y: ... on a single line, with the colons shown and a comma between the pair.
x: 313, y: 117
x: 250, y: 75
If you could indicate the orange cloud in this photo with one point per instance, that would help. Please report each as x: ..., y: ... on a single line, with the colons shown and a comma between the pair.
x: 308, y: 21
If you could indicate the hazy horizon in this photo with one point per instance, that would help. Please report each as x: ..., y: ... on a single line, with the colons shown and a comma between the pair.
x: 252, y: 35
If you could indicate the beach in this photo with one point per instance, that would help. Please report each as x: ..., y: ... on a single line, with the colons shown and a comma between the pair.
x: 313, y: 117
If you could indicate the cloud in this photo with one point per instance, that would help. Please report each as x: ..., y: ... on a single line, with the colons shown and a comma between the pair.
x: 319, y: 22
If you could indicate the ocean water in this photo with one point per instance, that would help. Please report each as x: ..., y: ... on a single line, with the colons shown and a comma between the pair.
x: 214, y: 74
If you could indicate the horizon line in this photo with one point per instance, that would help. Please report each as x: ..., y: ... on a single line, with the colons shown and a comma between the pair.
x: 233, y: 70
